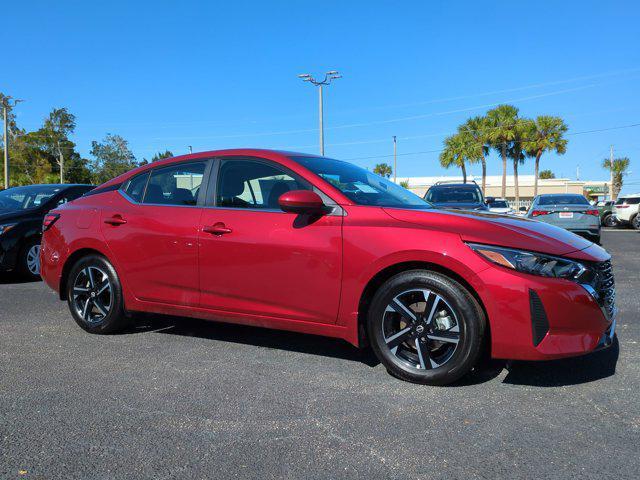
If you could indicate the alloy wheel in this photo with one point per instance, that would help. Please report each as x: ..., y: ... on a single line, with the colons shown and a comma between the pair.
x: 609, y: 221
x: 421, y: 329
x: 92, y: 294
x: 33, y: 259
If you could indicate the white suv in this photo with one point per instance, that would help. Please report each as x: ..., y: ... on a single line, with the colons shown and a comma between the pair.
x: 626, y: 210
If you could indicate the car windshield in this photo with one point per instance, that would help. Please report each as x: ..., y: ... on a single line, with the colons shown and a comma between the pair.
x: 360, y: 185
x: 26, y: 198
x: 453, y: 194
x: 499, y: 204
x: 563, y: 200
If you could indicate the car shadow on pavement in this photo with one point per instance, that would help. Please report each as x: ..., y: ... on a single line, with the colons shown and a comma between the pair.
x: 570, y: 371
x: 7, y: 278
x: 256, y: 336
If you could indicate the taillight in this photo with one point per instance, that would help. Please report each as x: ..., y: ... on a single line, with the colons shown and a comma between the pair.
x: 49, y: 220
x: 537, y: 213
x: 621, y: 206
x: 592, y: 212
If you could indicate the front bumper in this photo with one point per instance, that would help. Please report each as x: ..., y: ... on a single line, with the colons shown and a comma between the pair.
x: 573, y: 322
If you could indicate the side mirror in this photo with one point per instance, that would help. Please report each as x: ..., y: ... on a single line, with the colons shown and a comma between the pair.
x: 301, y: 201
x: 523, y: 209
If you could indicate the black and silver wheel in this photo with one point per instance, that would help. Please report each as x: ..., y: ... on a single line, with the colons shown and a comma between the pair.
x: 29, y: 259
x: 425, y: 327
x: 635, y: 222
x: 94, y: 295
x: 609, y: 221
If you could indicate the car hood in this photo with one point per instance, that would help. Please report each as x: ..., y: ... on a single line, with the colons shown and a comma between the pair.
x: 13, y: 216
x: 493, y: 229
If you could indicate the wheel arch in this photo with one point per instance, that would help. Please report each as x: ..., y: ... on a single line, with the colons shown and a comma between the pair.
x: 70, y: 262
x: 386, y: 273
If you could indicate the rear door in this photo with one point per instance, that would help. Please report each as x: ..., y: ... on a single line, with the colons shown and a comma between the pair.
x: 263, y: 261
x: 151, y: 227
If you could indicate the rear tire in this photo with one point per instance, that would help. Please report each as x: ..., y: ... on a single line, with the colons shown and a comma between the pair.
x: 426, y: 328
x: 635, y: 222
x: 609, y: 221
x: 94, y: 295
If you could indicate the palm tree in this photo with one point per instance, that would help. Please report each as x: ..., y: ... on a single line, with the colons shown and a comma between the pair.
x: 517, y: 152
x: 382, y: 169
x: 620, y: 166
x: 546, y: 135
x: 454, y: 154
x: 476, y: 131
x: 501, y: 133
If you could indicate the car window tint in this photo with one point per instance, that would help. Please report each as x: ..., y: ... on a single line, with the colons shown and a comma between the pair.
x: 135, y: 188
x: 175, y: 185
x: 563, y: 200
x: 633, y: 201
x: 453, y: 195
x: 251, y: 184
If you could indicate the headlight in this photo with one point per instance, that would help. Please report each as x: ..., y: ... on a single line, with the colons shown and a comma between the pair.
x: 6, y: 227
x: 535, y: 263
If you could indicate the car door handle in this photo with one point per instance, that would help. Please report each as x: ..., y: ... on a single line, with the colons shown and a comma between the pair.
x: 217, y: 229
x: 115, y: 220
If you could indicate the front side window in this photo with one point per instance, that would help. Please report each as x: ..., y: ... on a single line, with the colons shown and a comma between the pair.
x: 175, y: 185
x: 252, y: 184
x: 360, y: 185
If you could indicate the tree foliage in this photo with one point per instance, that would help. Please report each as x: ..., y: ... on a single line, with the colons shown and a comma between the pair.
x: 620, y: 167
x: 112, y: 157
x: 383, y: 169
x: 547, y: 174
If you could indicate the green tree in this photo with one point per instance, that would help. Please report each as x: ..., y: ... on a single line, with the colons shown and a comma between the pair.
x: 404, y: 184
x: 502, y: 130
x: 55, y: 132
x: 546, y: 174
x: 545, y: 135
x: 618, y: 169
x: 112, y: 157
x: 454, y: 154
x: 383, y: 169
x: 157, y: 156
x: 476, y: 132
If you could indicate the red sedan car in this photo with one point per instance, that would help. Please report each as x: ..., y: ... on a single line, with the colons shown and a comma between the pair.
x: 316, y: 245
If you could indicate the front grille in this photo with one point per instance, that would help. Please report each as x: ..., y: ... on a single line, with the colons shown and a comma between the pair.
x: 605, y: 287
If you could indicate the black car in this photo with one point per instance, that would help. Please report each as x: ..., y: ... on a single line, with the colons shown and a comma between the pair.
x: 464, y: 196
x: 22, y: 210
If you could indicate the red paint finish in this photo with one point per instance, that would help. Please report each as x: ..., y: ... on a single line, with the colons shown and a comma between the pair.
x: 308, y: 273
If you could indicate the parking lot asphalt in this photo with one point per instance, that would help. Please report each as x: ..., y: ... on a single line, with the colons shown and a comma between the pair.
x: 180, y: 398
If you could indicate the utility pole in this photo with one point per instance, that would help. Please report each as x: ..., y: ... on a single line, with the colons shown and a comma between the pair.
x: 328, y: 78
x: 6, y: 108
x: 395, y: 159
x: 190, y: 149
x: 6, y: 144
x: 611, y: 174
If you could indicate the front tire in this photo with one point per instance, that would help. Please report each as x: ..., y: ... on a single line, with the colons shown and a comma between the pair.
x: 635, y: 222
x: 426, y: 328
x: 609, y: 221
x: 29, y: 260
x: 94, y: 295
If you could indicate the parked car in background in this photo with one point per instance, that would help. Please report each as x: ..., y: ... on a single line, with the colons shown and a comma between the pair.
x: 570, y: 211
x: 462, y: 196
x: 22, y: 210
x: 607, y: 217
x: 499, y: 205
x: 626, y: 210
x: 316, y: 245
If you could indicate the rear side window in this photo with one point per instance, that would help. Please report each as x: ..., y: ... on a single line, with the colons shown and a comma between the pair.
x: 135, y: 188
x: 176, y: 184
x: 631, y: 201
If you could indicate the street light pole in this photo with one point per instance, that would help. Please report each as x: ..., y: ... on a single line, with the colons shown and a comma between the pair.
x: 328, y: 78
x: 395, y: 157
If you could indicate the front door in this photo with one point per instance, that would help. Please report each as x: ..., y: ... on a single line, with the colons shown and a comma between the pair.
x: 256, y: 259
x: 152, y: 229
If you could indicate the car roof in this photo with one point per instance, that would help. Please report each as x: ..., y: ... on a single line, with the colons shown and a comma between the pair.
x: 445, y: 185
x: 631, y: 195
x: 561, y: 195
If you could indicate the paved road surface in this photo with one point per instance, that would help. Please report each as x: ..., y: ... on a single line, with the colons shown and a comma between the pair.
x: 180, y: 398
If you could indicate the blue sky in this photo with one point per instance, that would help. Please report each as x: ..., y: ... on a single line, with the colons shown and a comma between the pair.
x: 166, y: 75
